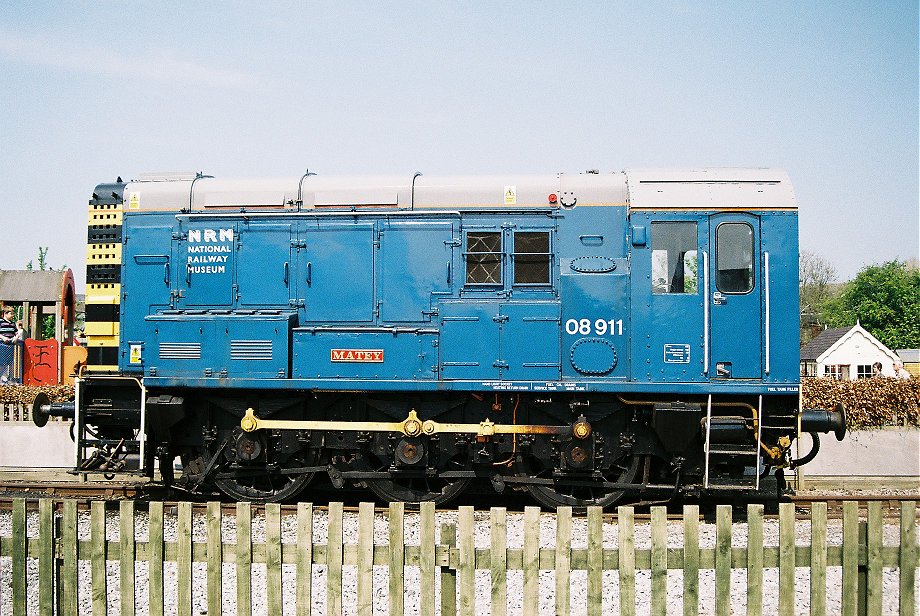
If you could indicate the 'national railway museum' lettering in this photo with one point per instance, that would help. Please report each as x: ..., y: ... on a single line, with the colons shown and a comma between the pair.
x: 357, y: 356
x: 209, y: 250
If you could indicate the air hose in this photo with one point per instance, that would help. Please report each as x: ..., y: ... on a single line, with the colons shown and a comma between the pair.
x: 815, y: 447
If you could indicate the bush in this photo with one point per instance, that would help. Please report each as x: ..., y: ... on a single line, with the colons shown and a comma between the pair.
x: 870, y: 403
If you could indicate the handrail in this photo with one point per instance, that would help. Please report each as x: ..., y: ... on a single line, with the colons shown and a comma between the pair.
x: 705, y: 312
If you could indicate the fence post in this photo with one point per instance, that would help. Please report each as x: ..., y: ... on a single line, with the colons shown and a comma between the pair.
x: 691, y: 598
x: 427, y: 549
x: 304, y: 589
x: 334, y: 560
x: 466, y: 567
x: 215, y: 558
x: 46, y: 558
x: 723, y: 560
x: 273, y: 596
x: 563, y: 560
x: 499, y: 561
x: 397, y: 558
x: 58, y: 556
x: 126, y: 563
x: 850, y: 559
x: 595, y: 561
x: 786, y: 559
x: 907, y: 560
x: 449, y: 573
x: 365, y: 559
x: 874, y: 559
x: 184, y: 558
x: 862, y: 571
x: 626, y: 532
x: 818, y: 563
x: 244, y: 559
x: 69, y: 566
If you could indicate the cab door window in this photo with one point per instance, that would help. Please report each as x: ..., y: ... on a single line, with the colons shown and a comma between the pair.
x: 735, y: 257
x: 675, y: 267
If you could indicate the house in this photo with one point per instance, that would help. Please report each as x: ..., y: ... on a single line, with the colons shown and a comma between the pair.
x: 846, y: 353
x: 911, y: 359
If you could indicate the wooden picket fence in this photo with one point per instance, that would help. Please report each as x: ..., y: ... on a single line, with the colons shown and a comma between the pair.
x: 55, y: 549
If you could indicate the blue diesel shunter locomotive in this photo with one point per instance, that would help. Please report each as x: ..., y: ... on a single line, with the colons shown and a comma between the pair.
x: 586, y: 338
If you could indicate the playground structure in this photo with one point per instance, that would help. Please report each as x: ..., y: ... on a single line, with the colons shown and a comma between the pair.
x: 35, y: 297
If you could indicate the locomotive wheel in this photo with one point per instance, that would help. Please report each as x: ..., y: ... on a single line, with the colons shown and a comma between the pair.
x: 624, y: 470
x: 412, y: 487
x: 269, y: 488
x: 258, y: 484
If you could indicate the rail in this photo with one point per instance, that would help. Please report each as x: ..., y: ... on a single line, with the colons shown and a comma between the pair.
x: 53, y: 547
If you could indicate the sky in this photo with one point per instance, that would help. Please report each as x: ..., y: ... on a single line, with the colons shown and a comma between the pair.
x: 828, y: 91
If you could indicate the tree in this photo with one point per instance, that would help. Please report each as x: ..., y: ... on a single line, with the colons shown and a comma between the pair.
x: 816, y: 288
x: 47, y: 324
x: 885, y: 299
x: 43, y: 262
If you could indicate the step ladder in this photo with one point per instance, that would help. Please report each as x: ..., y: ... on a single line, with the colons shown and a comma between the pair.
x: 711, y: 449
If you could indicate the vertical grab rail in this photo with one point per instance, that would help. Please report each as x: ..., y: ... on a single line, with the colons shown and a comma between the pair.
x: 766, y: 279
x: 705, y: 312
x: 759, y: 424
x: 142, y: 436
x: 76, y: 422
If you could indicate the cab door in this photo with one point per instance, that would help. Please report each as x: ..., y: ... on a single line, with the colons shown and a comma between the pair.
x: 668, y: 299
x: 735, y: 304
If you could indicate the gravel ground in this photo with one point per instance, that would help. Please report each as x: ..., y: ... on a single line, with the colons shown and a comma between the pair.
x: 483, y: 586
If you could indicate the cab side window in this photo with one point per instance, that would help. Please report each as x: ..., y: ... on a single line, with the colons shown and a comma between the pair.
x: 675, y: 266
x: 531, y: 257
x: 484, y: 257
x: 735, y: 257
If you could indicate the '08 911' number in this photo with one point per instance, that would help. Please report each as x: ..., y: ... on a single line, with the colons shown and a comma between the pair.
x: 600, y: 327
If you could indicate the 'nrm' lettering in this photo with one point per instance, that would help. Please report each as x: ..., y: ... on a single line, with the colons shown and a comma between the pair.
x: 211, y: 235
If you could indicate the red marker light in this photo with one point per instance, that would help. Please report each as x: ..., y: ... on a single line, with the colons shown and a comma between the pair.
x: 553, y: 198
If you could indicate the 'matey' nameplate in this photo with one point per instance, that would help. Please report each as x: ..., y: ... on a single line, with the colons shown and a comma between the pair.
x: 363, y: 356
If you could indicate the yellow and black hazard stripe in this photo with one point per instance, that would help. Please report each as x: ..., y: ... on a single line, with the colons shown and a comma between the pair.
x: 103, y: 277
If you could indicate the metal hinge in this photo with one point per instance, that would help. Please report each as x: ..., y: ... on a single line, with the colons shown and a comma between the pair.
x: 498, y: 363
x: 298, y: 244
x: 178, y: 235
x: 453, y: 242
x: 296, y: 303
x: 500, y: 318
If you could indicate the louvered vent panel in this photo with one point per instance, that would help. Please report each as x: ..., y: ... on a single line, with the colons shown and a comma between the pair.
x: 249, y: 350
x: 180, y: 350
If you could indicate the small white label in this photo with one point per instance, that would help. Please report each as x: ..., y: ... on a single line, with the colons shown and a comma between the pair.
x: 677, y: 353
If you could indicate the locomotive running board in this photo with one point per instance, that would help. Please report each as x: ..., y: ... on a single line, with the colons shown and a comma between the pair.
x: 412, y: 426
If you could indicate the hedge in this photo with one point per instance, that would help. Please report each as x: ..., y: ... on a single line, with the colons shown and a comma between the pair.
x: 870, y: 403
